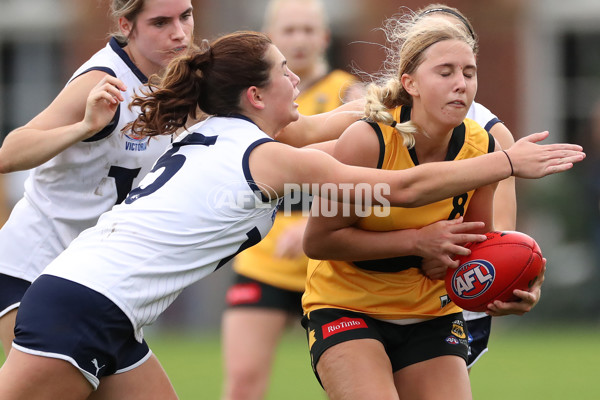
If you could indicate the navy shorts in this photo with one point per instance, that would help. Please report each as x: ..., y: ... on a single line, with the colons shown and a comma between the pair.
x: 248, y: 292
x: 11, y: 292
x: 479, y: 335
x: 404, y: 344
x: 65, y: 320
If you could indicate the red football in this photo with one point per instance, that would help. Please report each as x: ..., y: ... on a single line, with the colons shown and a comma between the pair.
x: 505, y: 261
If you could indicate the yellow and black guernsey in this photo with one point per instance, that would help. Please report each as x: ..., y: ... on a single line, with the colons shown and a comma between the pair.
x: 259, y: 262
x: 395, y: 288
x: 326, y: 93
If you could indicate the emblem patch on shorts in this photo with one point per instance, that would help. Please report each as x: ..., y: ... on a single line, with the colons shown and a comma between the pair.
x: 458, y: 334
x: 452, y: 340
x: 458, y: 329
x: 341, y: 325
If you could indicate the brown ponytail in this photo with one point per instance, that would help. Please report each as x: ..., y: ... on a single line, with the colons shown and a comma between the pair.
x: 208, y: 80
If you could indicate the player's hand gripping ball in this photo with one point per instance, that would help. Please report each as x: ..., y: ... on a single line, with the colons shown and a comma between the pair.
x: 505, y: 261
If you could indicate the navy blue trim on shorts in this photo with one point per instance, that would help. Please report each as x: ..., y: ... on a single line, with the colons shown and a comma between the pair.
x: 479, y: 335
x: 11, y: 292
x: 62, y: 319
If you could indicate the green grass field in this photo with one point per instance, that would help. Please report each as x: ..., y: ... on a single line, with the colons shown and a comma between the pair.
x: 531, y: 363
x: 554, y: 362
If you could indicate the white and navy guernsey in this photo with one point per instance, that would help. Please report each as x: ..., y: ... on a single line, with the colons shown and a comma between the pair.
x: 196, y: 209
x: 484, y: 117
x: 68, y: 193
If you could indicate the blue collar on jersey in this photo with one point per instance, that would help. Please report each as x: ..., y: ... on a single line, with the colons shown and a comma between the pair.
x: 114, y: 44
x: 235, y: 115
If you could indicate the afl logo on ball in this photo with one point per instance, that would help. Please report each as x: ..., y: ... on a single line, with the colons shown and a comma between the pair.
x: 473, y: 278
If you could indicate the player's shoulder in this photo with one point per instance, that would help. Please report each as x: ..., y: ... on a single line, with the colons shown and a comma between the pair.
x: 113, y: 60
x: 482, y: 115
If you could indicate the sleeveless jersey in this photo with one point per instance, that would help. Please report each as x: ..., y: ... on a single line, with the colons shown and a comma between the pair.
x: 195, y: 210
x: 395, y: 289
x: 68, y: 193
x: 259, y: 262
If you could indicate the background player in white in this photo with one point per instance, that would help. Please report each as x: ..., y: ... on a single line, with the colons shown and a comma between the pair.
x: 82, y: 163
x: 79, y: 327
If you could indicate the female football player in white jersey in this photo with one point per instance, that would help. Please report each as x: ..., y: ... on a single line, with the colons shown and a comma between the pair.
x: 82, y: 163
x: 275, y: 269
x: 211, y: 195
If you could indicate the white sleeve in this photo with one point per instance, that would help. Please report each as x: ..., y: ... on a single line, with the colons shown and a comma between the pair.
x: 482, y: 116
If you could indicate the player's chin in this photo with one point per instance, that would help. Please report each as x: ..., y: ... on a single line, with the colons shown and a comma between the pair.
x: 457, y: 118
x: 295, y: 114
x: 455, y: 114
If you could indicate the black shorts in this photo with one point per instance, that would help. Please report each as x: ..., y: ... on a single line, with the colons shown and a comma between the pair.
x: 479, y: 334
x: 404, y: 344
x: 65, y: 320
x: 248, y: 292
x: 11, y: 292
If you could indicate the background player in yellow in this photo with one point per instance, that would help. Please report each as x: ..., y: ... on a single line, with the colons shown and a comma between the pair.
x: 269, y: 277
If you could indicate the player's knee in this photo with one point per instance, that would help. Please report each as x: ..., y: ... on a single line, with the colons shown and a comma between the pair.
x: 246, y: 383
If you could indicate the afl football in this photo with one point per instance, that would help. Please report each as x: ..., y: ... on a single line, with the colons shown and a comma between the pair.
x: 505, y: 261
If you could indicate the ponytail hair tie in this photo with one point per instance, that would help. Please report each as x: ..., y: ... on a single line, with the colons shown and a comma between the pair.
x: 393, y: 124
x: 204, y: 46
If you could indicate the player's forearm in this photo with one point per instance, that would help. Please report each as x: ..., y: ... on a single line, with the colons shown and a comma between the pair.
x: 353, y: 244
x: 26, y: 148
x: 321, y: 127
x: 431, y: 182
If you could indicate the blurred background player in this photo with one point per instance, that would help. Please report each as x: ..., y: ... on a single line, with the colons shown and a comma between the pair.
x: 269, y: 277
x: 82, y: 163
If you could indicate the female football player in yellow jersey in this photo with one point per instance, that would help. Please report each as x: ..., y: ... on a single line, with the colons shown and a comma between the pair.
x: 505, y: 213
x: 377, y: 326
x: 265, y: 293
